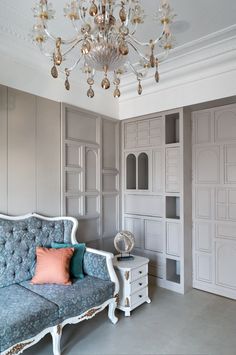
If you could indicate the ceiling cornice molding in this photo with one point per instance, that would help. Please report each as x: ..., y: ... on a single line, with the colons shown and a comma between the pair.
x: 210, y: 55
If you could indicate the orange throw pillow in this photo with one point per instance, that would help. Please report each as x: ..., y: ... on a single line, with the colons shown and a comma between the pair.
x: 53, y: 266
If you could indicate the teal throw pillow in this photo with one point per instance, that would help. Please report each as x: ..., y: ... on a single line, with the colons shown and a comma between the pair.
x: 76, y: 264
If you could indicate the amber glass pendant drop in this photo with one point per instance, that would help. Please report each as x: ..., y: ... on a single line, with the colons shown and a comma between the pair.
x: 93, y: 9
x: 116, y: 92
x: 67, y: 84
x: 105, y: 83
x: 54, y: 72
x: 140, y: 89
x: 90, y: 92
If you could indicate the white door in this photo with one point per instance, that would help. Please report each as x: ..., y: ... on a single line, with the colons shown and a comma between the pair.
x: 214, y: 200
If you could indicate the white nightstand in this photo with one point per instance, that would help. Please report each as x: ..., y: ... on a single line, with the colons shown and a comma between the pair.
x: 133, y: 278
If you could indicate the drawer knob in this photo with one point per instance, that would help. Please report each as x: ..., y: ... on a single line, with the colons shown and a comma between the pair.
x: 140, y: 272
x: 140, y: 296
x: 140, y: 284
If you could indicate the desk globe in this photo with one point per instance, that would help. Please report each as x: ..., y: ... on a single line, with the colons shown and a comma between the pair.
x: 124, y: 243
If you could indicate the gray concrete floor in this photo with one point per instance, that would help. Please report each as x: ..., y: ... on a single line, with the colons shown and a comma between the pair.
x: 197, y: 323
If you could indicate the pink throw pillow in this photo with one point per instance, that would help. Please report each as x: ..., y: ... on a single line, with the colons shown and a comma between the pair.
x: 53, y: 266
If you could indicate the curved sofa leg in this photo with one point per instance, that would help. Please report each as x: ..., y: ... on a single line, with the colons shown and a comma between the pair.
x: 56, y: 340
x: 111, y: 311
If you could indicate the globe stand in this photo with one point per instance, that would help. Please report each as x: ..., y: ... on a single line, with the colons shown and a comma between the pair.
x: 124, y: 257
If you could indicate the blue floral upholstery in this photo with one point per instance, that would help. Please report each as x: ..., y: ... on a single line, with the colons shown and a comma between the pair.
x: 23, y: 314
x: 75, y: 299
x: 96, y: 265
x: 18, y: 241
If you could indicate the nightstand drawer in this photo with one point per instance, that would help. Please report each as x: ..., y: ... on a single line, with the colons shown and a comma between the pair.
x: 138, y: 272
x: 139, y: 284
x: 139, y: 297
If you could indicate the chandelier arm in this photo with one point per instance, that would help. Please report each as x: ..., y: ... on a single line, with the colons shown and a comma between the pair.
x: 75, y: 26
x: 137, y: 74
x: 72, y: 47
x: 146, y: 44
x: 134, y: 30
x: 138, y: 52
x: 52, y: 37
x: 46, y: 54
x: 128, y: 18
x: 73, y: 66
x: 158, y: 39
x: 82, y: 17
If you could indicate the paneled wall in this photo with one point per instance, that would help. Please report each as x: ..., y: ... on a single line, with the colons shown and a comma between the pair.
x: 214, y: 203
x: 30, y: 141
x: 57, y: 164
x: 91, y: 175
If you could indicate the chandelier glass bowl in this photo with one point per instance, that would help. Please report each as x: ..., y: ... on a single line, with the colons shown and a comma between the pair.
x: 105, y: 36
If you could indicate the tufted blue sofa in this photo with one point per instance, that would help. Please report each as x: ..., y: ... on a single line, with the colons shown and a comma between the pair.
x: 29, y: 312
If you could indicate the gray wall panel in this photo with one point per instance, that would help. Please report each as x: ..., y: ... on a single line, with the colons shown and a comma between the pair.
x: 3, y: 149
x: 30, y: 146
x: 48, y: 157
x: 21, y: 152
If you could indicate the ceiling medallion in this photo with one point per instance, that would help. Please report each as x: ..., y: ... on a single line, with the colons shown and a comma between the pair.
x: 105, y: 36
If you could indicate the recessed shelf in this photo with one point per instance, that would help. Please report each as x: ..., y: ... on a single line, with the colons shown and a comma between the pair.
x: 172, y: 207
x: 173, y: 270
x: 172, y: 128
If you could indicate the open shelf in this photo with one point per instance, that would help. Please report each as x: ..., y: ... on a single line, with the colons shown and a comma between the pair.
x: 172, y: 128
x: 173, y: 270
x: 172, y: 207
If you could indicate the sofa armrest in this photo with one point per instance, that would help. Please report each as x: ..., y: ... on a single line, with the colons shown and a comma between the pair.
x: 99, y: 264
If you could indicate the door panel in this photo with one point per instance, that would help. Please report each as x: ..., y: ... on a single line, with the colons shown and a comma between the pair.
x: 214, y: 200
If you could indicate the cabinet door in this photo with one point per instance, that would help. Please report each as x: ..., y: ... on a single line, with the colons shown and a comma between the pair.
x: 172, y: 170
x: 143, y: 133
x: 173, y: 238
x: 225, y: 259
x: 130, y: 135
x: 135, y: 226
x: 154, y: 235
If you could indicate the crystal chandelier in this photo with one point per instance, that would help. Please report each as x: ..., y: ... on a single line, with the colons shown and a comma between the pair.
x: 105, y: 36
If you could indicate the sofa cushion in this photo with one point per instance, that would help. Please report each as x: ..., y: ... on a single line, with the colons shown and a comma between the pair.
x: 75, y: 299
x: 23, y: 314
x: 18, y: 241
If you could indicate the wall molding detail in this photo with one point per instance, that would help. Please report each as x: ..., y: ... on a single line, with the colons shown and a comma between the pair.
x: 201, y: 53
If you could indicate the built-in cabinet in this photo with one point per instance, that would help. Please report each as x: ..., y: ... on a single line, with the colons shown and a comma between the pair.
x: 214, y: 200
x: 156, y: 198
x: 90, y: 177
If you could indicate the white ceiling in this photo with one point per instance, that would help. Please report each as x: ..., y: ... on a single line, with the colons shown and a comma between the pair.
x: 205, y: 53
x: 195, y: 19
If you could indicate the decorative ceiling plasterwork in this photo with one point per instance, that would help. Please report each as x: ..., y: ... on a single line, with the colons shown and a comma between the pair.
x: 191, y: 61
x: 207, y: 56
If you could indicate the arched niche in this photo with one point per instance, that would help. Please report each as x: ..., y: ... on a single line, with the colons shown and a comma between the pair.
x: 143, y: 171
x: 131, y: 172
